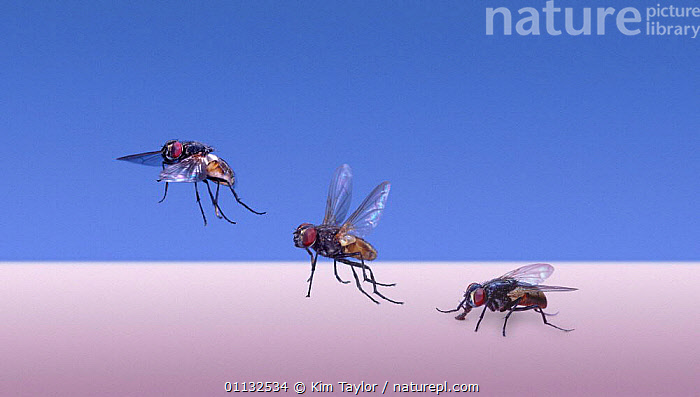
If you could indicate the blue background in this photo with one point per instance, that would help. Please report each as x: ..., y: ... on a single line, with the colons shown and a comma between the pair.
x: 498, y: 147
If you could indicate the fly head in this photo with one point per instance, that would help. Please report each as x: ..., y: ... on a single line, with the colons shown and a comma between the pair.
x: 172, y: 150
x: 475, y: 295
x: 305, y: 235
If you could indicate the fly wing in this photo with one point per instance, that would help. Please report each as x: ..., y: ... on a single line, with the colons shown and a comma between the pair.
x: 339, y: 195
x: 367, y: 216
x: 530, y: 274
x: 148, y: 158
x: 545, y: 288
x: 191, y: 169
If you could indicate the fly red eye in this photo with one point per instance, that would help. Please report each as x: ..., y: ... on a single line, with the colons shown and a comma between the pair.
x: 308, y: 236
x: 478, y: 296
x: 175, y: 150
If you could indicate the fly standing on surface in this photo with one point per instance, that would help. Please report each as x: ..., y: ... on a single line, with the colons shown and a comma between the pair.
x: 342, y: 241
x: 515, y: 291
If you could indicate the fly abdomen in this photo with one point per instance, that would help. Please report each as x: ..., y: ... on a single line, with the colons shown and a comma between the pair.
x: 360, y: 248
x: 528, y: 297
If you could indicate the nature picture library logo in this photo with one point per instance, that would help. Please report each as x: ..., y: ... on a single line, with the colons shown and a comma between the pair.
x: 549, y: 18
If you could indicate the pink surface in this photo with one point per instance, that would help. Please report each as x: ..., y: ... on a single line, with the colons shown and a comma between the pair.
x: 185, y: 329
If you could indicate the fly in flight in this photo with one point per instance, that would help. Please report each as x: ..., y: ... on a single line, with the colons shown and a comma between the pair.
x: 344, y: 241
x: 191, y: 161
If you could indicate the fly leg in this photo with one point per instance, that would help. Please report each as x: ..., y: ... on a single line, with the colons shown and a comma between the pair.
x: 335, y: 270
x: 215, y: 201
x: 524, y: 308
x: 364, y: 268
x: 164, y: 193
x: 513, y: 308
x: 539, y: 310
x: 463, y: 315
x: 480, y: 317
x: 461, y: 304
x: 531, y: 307
x: 243, y: 204
x: 313, y: 269
x: 359, y: 286
x: 460, y: 316
x: 166, y: 189
x: 374, y: 283
x: 200, y: 204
